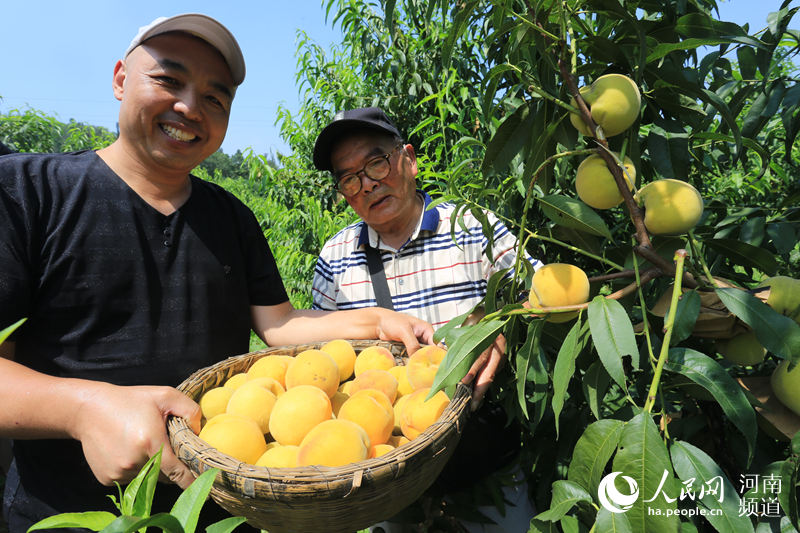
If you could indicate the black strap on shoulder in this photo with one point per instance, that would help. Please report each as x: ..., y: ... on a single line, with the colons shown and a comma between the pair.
x: 379, y: 284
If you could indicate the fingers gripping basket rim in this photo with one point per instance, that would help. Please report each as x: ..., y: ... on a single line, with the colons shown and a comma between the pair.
x: 317, y: 498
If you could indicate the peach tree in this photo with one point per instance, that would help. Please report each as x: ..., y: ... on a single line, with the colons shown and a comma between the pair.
x: 645, y: 410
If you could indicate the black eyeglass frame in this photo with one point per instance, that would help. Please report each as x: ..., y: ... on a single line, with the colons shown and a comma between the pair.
x: 354, y: 177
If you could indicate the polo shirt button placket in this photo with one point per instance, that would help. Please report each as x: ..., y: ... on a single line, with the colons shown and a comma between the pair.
x: 167, y: 237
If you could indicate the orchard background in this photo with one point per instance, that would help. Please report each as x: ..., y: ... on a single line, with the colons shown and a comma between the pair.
x: 483, y: 89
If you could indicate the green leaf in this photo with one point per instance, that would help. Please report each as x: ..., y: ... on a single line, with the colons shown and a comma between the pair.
x: 564, y: 368
x: 696, y: 468
x: 189, y: 504
x: 526, y: 363
x: 595, y: 384
x: 129, y: 524
x: 609, y: 522
x: 783, y: 236
x: 452, y: 324
x: 593, y: 451
x: 94, y: 520
x: 574, y: 214
x: 566, y: 495
x: 795, y: 443
x: 748, y: 143
x: 788, y: 495
x: 463, y: 352
x: 10, y: 329
x: 710, y: 375
x: 685, y: 317
x: 643, y: 456
x: 509, y: 139
x: 752, y: 231
x: 668, y: 144
x: 612, y: 334
x: 543, y: 526
x: 227, y: 525
x: 388, y: 10
x: 138, y: 497
x: 777, y: 333
x: 663, y: 49
x: 742, y: 253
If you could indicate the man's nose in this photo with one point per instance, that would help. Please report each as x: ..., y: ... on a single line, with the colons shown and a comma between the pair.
x: 188, y: 104
x: 367, y: 184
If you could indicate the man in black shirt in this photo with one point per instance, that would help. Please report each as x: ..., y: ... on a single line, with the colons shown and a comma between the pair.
x: 132, y: 273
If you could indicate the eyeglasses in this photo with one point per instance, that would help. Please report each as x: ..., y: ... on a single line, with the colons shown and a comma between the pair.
x: 375, y: 169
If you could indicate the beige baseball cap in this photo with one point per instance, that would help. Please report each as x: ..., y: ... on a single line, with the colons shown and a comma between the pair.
x: 203, y: 27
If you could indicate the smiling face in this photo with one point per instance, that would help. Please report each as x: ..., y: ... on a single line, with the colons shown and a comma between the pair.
x: 176, y: 93
x: 390, y: 205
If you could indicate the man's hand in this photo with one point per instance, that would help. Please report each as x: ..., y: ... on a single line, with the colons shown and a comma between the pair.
x: 485, y: 367
x: 120, y: 428
x: 409, y: 330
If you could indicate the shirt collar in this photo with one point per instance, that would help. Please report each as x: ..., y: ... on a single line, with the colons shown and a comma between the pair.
x: 429, y: 222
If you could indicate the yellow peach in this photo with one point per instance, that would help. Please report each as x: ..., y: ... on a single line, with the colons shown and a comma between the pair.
x: 298, y: 410
x: 595, y: 184
x: 215, y: 401
x: 423, y: 364
x: 270, y: 366
x: 614, y: 101
x: 373, y: 357
x: 398, y: 407
x: 380, y: 380
x: 380, y: 449
x: 559, y: 284
x: 271, y: 384
x: 236, y: 436
x: 366, y: 411
x: 279, y: 457
x: 334, y: 443
x: 400, y: 372
x: 346, y: 387
x: 671, y: 207
x: 337, y: 400
x: 313, y: 367
x: 344, y: 355
x: 419, y: 414
x: 254, y: 402
x: 235, y: 380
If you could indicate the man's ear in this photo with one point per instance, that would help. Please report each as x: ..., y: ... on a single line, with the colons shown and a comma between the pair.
x: 412, y: 158
x: 118, y: 81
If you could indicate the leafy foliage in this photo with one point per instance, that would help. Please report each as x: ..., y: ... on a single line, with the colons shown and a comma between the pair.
x: 483, y: 90
x: 135, y: 503
x: 34, y: 131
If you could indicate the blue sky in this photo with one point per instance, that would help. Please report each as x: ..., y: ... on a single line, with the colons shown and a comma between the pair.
x: 58, y: 57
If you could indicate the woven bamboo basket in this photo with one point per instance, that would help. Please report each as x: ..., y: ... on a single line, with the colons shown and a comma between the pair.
x: 318, y: 498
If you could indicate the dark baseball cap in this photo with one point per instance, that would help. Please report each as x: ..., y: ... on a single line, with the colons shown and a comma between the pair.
x: 346, y: 122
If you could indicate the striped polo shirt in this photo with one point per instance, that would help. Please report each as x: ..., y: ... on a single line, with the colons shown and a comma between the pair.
x: 433, y: 276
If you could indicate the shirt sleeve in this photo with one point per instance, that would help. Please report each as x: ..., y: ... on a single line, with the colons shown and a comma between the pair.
x: 265, y: 284
x: 503, y: 250
x: 323, y: 288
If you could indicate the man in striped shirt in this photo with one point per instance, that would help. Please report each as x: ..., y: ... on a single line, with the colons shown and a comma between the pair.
x: 431, y: 273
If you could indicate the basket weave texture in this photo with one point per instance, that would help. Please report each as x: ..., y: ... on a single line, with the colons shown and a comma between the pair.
x: 318, y: 498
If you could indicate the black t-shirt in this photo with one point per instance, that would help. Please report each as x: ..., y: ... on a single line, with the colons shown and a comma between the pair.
x: 115, y: 291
